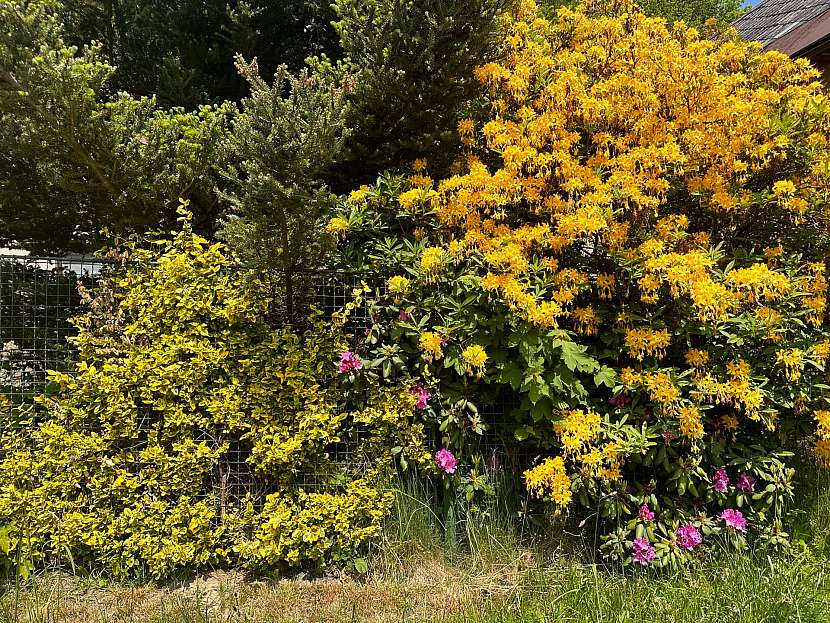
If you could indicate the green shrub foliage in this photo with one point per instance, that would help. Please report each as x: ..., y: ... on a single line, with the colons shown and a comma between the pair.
x: 132, y: 466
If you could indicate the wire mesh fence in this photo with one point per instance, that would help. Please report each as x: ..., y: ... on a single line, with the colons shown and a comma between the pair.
x: 39, y: 297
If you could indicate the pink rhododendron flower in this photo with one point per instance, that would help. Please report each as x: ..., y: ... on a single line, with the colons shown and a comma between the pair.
x: 645, y: 513
x: 404, y: 315
x: 688, y: 537
x: 423, y: 396
x: 446, y: 461
x: 349, y: 361
x: 643, y: 552
x: 734, y: 519
x: 619, y: 401
x: 720, y: 481
x: 746, y: 482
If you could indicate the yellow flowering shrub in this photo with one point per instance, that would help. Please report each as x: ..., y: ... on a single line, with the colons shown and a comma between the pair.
x: 184, y: 403
x: 636, y: 228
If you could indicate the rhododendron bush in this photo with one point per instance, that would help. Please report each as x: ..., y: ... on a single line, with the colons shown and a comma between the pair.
x: 633, y: 241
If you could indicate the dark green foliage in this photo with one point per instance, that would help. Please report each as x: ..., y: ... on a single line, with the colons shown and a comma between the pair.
x: 88, y: 143
x: 412, y: 62
x: 693, y: 12
x: 75, y: 158
x: 284, y: 138
x: 183, y: 51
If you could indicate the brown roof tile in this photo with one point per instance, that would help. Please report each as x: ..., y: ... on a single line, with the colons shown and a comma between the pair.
x: 773, y: 19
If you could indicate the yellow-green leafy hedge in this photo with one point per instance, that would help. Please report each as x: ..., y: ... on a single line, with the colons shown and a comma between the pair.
x: 126, y: 468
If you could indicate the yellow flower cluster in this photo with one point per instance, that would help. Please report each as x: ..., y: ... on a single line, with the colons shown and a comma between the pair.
x: 338, y: 226
x: 476, y: 359
x: 816, y: 302
x: 822, y: 446
x: 737, y: 392
x: 431, y: 260
x: 398, y: 284
x: 792, y: 359
x: 759, y: 283
x: 661, y: 389
x: 605, y: 286
x: 821, y: 351
x: 586, y: 320
x: 359, y: 196
x: 550, y: 479
x: 691, y: 423
x: 697, y: 358
x: 600, y: 462
x: 432, y: 345
x: 643, y: 343
x: 578, y: 429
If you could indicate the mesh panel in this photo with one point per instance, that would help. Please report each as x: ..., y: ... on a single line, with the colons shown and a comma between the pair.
x: 39, y: 296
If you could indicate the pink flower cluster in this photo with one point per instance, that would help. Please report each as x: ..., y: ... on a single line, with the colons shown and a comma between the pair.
x: 446, y: 461
x: 423, y: 396
x: 643, y: 552
x: 619, y: 401
x: 720, y: 481
x: 348, y: 362
x: 645, y: 513
x: 734, y: 519
x: 746, y: 482
x: 688, y: 537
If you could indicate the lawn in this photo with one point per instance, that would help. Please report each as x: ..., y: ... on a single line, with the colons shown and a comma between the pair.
x: 495, y: 575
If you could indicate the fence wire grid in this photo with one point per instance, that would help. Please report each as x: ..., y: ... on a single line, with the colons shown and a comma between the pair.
x: 40, y: 295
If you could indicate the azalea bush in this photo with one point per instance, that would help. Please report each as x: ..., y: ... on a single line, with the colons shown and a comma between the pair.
x: 633, y: 243
x: 183, y: 394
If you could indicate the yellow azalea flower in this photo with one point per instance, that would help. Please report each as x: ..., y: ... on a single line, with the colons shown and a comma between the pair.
x: 359, y: 196
x: 411, y: 198
x: 697, y: 358
x: 476, y: 359
x: 643, y: 343
x: 822, y: 419
x: 431, y: 261
x: 432, y: 345
x: 338, y: 226
x: 691, y: 425
x: 549, y: 479
x: 466, y: 127
x: 739, y: 369
x: 579, y: 428
x: 792, y: 359
x: 397, y: 284
x: 729, y: 422
x: 783, y: 188
x: 605, y: 286
x: 586, y: 320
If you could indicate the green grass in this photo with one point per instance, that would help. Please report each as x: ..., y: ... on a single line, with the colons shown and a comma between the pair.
x: 736, y: 590
x: 496, y: 569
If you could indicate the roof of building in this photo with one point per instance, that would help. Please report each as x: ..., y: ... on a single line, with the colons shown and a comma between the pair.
x: 773, y: 19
